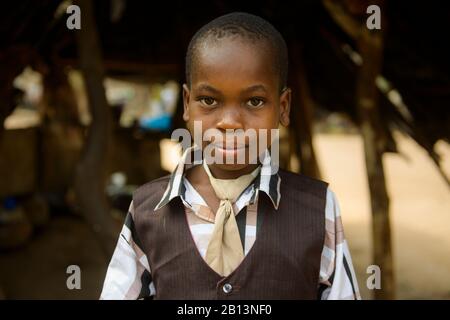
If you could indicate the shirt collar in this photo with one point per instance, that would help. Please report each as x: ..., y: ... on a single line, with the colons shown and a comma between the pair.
x: 267, y: 181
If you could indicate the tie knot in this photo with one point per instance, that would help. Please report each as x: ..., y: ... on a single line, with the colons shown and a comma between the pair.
x: 230, y: 189
x: 226, y: 204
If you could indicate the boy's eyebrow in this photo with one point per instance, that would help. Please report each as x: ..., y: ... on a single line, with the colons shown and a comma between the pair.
x: 256, y: 87
x: 207, y: 88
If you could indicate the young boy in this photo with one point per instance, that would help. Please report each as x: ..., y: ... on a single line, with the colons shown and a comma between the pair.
x: 233, y: 230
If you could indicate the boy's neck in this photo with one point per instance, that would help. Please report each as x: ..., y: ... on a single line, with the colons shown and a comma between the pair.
x: 231, y: 174
x: 199, y: 179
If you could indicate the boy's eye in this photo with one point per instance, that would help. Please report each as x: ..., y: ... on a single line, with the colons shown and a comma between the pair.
x: 208, y: 101
x: 255, y: 102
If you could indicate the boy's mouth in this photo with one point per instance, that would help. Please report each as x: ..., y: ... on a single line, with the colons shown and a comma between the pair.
x: 229, y: 146
x: 229, y: 149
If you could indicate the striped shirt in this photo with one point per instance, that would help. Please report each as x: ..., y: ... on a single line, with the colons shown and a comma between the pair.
x: 129, y: 273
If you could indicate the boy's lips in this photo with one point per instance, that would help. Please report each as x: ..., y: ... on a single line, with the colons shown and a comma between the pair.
x: 229, y: 149
x: 229, y: 146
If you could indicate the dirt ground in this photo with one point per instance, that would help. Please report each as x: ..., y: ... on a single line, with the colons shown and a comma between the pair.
x: 420, y: 212
x: 420, y: 215
x: 38, y: 271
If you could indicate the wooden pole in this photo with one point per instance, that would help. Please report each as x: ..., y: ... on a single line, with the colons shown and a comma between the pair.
x: 370, y: 45
x: 91, y: 170
x: 302, y: 115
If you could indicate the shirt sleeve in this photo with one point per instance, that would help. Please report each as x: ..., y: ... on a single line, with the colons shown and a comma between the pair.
x: 128, y: 276
x: 337, y: 276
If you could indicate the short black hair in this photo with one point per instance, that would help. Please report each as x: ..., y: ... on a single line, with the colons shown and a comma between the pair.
x: 247, y: 26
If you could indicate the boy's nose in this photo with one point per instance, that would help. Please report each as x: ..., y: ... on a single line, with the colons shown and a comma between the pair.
x: 230, y: 119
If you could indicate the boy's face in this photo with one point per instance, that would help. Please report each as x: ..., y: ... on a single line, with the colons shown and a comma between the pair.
x: 234, y: 86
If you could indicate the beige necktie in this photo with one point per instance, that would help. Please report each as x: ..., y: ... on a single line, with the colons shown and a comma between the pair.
x: 225, y: 252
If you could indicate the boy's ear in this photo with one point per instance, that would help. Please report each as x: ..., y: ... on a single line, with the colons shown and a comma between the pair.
x: 186, y: 97
x: 285, y: 106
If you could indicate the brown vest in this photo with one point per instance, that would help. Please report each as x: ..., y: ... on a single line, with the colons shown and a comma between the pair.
x: 284, y: 262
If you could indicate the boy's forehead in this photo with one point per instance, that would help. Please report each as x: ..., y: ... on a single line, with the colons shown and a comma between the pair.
x: 234, y: 60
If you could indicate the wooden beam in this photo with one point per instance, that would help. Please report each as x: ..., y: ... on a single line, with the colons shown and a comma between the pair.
x: 91, y: 171
x: 302, y: 114
x: 370, y: 46
x: 134, y: 71
x: 343, y: 18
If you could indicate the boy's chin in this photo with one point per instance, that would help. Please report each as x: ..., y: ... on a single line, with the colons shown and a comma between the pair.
x: 233, y: 167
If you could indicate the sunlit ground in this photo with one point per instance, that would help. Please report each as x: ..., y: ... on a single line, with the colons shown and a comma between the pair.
x: 420, y: 211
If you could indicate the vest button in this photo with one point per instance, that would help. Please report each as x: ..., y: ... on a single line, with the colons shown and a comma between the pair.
x: 227, y: 288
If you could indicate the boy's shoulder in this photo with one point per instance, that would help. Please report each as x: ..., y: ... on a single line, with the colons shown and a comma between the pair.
x: 300, y: 182
x: 151, y: 192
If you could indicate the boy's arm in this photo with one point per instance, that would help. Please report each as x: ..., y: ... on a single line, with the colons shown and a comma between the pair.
x: 128, y: 276
x: 337, y: 276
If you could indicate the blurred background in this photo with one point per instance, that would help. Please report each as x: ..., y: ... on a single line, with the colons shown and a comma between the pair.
x: 86, y: 117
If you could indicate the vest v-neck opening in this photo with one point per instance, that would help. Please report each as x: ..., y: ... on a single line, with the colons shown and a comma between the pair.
x: 202, y: 202
x: 246, y: 257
